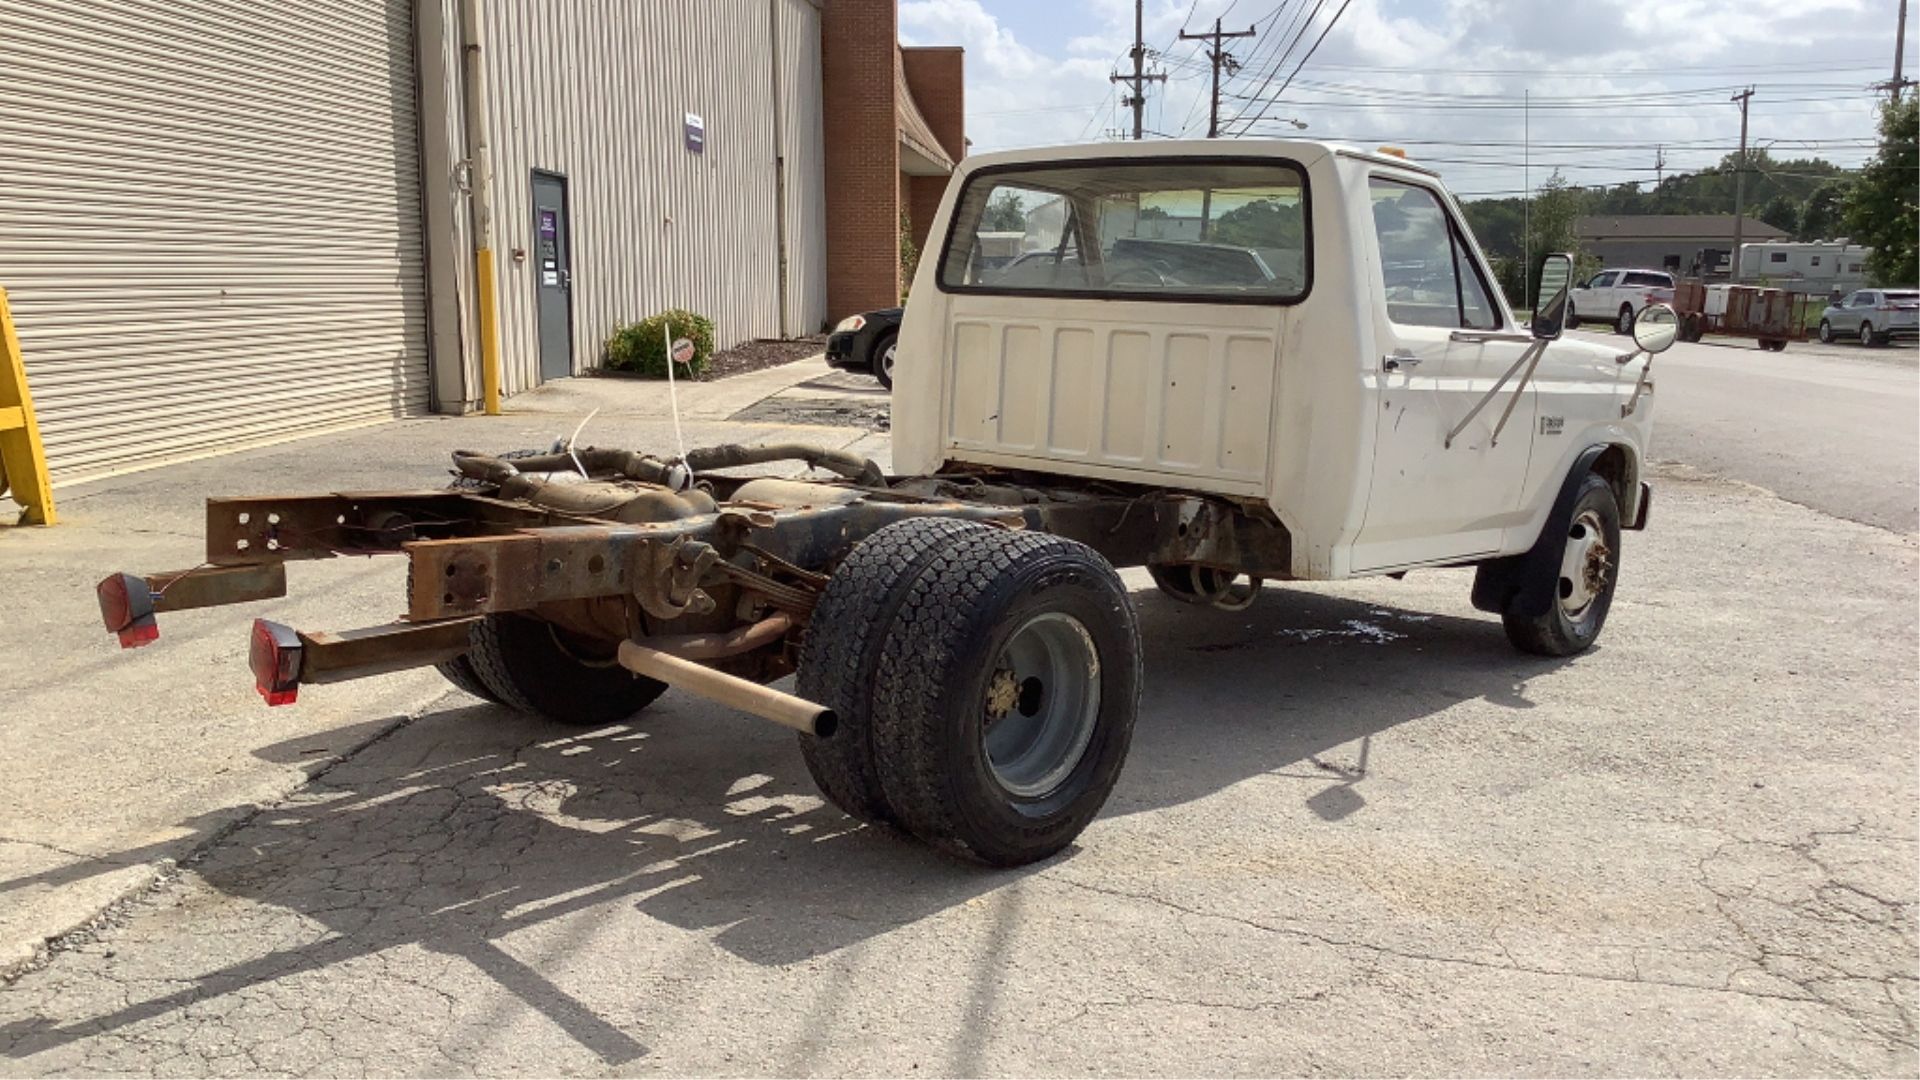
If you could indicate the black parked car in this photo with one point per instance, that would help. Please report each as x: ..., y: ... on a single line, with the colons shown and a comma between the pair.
x: 866, y: 343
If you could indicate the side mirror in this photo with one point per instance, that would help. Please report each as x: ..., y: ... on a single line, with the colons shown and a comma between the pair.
x: 1656, y: 328
x: 1550, y: 304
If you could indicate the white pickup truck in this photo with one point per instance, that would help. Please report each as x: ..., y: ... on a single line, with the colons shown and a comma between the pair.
x: 1617, y: 297
x: 1226, y: 363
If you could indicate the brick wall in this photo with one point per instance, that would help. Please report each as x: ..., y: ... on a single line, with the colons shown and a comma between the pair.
x: 936, y: 78
x: 857, y: 42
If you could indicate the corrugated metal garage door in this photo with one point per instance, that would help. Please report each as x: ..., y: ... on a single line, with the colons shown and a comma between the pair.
x: 210, y: 221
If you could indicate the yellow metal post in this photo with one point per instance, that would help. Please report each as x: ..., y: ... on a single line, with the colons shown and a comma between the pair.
x: 23, y: 461
x: 489, y: 332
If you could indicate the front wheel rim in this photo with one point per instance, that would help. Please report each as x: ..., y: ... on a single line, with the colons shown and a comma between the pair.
x: 1826, y: 331
x: 1626, y: 322
x: 1866, y: 333
x: 1586, y: 568
x: 1042, y: 705
x: 886, y: 360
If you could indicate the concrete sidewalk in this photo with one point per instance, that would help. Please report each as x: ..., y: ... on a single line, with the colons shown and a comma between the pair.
x: 120, y: 763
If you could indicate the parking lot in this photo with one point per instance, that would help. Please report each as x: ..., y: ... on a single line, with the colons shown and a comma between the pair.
x: 1357, y: 834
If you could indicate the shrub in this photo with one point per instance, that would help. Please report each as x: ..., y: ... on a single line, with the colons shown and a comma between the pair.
x: 642, y: 347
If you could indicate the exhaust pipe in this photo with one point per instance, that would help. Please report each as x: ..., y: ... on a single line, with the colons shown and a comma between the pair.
x: 783, y: 709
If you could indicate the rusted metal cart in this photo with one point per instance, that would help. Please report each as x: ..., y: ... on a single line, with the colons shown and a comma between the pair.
x: 1772, y: 317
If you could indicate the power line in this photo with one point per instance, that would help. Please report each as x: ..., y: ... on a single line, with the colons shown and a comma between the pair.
x: 1331, y: 23
x: 1221, y: 58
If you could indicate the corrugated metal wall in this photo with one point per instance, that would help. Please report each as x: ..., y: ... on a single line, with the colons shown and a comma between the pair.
x: 210, y: 221
x: 803, y: 127
x: 598, y: 93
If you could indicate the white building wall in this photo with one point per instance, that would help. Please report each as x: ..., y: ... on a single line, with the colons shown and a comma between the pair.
x: 597, y: 93
x: 804, y: 142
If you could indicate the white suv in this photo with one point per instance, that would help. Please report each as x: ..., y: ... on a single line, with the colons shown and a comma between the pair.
x: 1618, y: 295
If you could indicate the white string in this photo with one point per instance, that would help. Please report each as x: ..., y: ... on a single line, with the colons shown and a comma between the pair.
x: 673, y: 398
x: 575, y: 437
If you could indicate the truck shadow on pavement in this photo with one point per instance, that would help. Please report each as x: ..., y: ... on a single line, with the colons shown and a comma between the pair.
x: 472, y: 824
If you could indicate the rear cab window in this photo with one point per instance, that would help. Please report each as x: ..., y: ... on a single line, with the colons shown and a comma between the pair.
x: 1195, y: 230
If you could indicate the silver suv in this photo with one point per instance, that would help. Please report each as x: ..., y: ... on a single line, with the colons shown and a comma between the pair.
x: 1873, y: 317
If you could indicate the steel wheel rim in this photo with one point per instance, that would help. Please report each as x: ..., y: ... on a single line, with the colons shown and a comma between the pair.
x: 1826, y: 331
x: 1626, y: 321
x: 1587, y: 565
x: 1043, y: 701
x: 886, y: 358
x: 1866, y: 333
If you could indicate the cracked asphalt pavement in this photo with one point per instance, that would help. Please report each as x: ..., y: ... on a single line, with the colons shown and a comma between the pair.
x: 1357, y: 834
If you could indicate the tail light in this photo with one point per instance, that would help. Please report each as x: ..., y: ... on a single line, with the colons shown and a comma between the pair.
x: 126, y: 606
x: 275, y: 659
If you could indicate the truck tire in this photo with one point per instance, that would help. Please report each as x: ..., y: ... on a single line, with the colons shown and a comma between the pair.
x: 1826, y: 332
x: 1006, y: 696
x: 528, y: 664
x: 1624, y: 324
x: 460, y: 670
x: 840, y: 658
x: 1573, y: 319
x: 1585, y: 576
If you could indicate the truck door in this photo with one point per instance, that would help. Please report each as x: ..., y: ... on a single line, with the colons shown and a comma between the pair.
x: 1445, y: 343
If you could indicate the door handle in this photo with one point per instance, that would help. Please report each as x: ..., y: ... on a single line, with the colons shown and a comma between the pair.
x: 566, y: 279
x: 1399, y: 358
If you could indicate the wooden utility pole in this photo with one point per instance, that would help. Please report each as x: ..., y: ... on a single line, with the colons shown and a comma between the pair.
x: 1221, y: 58
x: 1899, y: 51
x: 1139, y: 79
x: 1739, y: 186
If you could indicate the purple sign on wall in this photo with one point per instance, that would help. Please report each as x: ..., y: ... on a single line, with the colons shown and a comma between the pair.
x: 696, y: 133
x: 549, y: 224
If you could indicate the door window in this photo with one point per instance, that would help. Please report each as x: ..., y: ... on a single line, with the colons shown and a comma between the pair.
x: 1426, y: 265
x: 1602, y: 281
x: 1209, y: 230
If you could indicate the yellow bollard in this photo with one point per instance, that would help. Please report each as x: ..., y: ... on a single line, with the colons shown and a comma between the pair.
x: 23, y: 460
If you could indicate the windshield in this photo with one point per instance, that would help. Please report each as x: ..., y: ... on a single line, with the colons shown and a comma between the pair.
x: 1189, y: 230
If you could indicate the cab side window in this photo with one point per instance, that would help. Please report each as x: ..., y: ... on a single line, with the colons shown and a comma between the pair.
x: 1601, y: 281
x: 1426, y: 265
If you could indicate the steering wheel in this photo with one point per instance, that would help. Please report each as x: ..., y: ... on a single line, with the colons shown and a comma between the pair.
x: 1143, y: 275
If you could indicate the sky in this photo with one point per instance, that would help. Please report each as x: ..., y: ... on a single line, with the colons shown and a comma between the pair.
x: 1613, y: 84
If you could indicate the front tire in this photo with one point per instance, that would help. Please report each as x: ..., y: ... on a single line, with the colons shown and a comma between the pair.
x: 1573, y: 319
x: 537, y: 668
x: 1826, y: 332
x: 1585, y: 576
x: 1624, y: 324
x: 1006, y: 696
x: 883, y: 353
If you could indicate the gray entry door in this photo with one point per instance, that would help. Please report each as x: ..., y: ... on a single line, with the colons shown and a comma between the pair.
x: 553, y: 269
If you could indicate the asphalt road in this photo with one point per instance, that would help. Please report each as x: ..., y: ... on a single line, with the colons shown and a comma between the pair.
x: 1357, y: 834
x: 1834, y: 427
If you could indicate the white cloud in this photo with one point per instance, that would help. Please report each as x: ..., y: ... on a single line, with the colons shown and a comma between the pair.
x: 1373, y: 78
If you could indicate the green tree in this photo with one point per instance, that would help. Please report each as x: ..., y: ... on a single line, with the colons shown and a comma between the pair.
x: 1781, y: 212
x: 1821, y: 218
x: 1881, y: 206
x: 1262, y: 223
x: 1005, y: 213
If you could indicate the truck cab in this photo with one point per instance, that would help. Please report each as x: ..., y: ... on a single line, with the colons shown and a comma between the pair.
x: 1298, y: 325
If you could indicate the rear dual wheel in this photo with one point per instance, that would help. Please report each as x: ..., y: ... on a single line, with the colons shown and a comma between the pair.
x: 1005, y: 678
x: 538, y: 668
